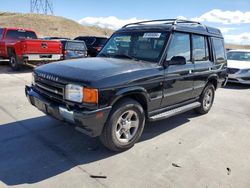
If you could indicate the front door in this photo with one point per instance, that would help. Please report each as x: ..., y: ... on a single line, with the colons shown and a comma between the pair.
x: 178, y: 82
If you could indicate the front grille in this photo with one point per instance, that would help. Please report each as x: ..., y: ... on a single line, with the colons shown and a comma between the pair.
x: 232, y: 70
x: 49, y: 89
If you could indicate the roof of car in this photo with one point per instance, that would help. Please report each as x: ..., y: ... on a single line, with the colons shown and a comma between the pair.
x: 172, y: 24
x: 239, y: 50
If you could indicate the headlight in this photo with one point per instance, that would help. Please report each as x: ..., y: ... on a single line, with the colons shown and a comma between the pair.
x: 244, y: 71
x: 74, y: 93
x: 79, y: 94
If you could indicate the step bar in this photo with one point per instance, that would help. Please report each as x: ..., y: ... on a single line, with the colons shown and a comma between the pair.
x: 175, y: 111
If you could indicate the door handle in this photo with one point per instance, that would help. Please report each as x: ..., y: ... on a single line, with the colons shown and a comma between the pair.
x: 190, y: 71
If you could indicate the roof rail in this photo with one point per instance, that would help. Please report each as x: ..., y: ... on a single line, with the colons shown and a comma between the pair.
x: 165, y: 21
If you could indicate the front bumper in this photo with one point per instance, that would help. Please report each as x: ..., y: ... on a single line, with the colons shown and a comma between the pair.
x: 88, y: 122
x: 239, y: 78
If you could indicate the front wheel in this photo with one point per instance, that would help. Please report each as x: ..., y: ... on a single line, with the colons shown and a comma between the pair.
x: 206, y: 99
x: 124, y: 126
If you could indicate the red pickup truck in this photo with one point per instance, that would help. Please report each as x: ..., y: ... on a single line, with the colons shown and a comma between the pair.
x: 21, y: 46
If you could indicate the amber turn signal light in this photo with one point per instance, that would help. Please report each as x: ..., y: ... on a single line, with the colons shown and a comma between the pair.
x: 90, y: 95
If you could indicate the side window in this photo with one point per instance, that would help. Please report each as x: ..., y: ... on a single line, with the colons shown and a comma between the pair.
x: 1, y: 33
x: 219, y: 50
x: 179, y: 46
x: 200, y: 48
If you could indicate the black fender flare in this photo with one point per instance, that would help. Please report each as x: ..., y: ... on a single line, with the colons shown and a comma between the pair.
x: 129, y: 91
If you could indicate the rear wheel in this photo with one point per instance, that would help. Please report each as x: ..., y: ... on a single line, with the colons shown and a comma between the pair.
x: 206, y: 99
x: 124, y: 126
x: 14, y: 62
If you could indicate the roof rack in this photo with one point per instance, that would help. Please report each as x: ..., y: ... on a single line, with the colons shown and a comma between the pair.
x: 165, y: 21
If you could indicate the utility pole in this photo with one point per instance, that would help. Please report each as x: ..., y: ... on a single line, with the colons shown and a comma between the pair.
x: 41, y: 6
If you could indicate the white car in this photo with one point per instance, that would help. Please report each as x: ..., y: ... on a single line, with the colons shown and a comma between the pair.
x: 238, y: 63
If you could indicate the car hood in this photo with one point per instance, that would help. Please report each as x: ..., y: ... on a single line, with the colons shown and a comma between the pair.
x: 238, y: 64
x: 93, y: 70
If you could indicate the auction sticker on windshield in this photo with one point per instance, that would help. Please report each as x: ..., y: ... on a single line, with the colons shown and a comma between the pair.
x: 152, y: 35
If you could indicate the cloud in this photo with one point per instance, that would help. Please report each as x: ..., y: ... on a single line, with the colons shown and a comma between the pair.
x: 224, y: 17
x: 110, y: 22
x: 225, y: 30
x: 243, y: 38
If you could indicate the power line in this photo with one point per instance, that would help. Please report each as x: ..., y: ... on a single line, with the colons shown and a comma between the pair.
x: 41, y: 6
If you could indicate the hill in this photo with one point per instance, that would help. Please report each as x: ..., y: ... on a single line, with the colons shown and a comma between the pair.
x: 46, y: 25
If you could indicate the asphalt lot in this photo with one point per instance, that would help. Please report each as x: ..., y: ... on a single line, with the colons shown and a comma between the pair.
x: 184, y: 151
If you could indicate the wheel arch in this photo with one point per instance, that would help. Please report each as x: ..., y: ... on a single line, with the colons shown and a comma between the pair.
x: 139, y: 94
x: 213, y: 79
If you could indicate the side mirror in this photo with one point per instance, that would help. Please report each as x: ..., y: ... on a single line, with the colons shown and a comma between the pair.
x: 176, y: 60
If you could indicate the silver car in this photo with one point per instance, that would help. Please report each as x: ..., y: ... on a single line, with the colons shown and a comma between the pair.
x: 238, y: 66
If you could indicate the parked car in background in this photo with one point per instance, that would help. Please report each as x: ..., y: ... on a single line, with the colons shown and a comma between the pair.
x: 21, y: 46
x: 74, y: 49
x: 94, y: 44
x: 55, y: 38
x: 144, y: 72
x: 238, y: 66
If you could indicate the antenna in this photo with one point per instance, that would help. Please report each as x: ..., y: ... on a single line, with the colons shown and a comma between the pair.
x: 41, y: 6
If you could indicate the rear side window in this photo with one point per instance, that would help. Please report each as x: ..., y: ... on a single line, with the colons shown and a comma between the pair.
x: 179, y: 46
x: 200, y: 48
x: 1, y: 33
x: 20, y: 34
x: 219, y: 50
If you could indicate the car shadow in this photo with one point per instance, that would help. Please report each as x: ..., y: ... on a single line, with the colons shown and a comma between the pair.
x: 36, y: 149
x: 237, y: 86
x: 6, y: 69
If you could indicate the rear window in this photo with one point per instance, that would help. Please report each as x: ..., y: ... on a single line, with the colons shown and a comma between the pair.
x: 75, y: 46
x: 20, y: 34
x: 1, y: 33
x: 219, y: 50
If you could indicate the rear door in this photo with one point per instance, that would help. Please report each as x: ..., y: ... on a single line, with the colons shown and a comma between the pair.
x: 178, y: 84
x: 203, y: 63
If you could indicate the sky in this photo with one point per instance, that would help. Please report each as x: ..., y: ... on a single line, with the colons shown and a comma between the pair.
x: 231, y: 16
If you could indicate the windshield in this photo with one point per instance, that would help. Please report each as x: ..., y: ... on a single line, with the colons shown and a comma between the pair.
x: 20, y: 34
x: 146, y: 46
x: 239, y: 56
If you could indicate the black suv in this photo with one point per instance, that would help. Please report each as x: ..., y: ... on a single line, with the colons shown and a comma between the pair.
x: 94, y: 44
x: 149, y: 70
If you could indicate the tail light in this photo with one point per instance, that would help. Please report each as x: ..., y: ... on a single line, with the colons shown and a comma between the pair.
x: 65, y: 53
x: 98, y: 48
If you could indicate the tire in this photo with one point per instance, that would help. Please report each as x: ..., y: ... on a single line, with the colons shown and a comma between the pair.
x: 14, y: 63
x: 206, y: 99
x: 124, y: 125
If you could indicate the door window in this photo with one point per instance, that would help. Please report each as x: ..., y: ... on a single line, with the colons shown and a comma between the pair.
x: 179, y: 46
x: 200, y: 48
